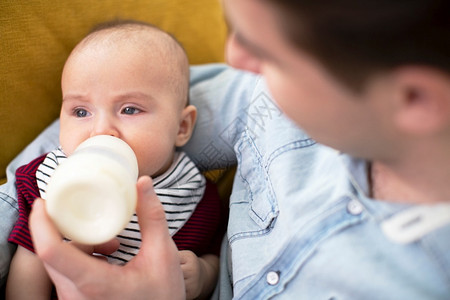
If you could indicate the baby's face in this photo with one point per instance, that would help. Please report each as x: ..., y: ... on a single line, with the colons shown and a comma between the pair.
x: 124, y: 94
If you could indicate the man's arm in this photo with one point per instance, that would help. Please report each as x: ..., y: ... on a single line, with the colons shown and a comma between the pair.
x: 221, y: 95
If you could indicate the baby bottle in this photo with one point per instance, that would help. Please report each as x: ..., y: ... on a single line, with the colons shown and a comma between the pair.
x: 92, y: 195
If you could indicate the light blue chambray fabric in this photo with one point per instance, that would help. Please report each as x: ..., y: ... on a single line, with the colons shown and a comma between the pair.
x: 301, y: 224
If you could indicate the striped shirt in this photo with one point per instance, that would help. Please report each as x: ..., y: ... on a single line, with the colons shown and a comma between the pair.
x: 195, y: 225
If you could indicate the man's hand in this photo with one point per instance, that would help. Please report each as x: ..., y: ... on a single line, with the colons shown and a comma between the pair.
x: 154, y: 273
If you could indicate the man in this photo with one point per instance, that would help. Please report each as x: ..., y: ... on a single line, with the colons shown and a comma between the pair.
x: 367, y: 78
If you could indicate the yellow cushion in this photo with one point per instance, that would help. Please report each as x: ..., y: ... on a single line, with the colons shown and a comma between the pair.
x: 38, y: 35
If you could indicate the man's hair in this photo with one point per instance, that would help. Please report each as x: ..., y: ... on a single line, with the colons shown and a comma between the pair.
x: 354, y: 39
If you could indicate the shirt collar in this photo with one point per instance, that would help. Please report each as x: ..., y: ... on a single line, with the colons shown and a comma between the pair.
x: 358, y: 174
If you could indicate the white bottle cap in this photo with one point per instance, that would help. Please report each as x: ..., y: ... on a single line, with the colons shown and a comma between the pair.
x: 92, y: 195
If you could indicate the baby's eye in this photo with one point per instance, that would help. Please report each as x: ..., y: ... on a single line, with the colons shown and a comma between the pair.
x: 130, y: 110
x: 81, y: 113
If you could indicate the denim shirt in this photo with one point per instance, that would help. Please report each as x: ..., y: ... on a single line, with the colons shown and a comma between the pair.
x: 302, y: 225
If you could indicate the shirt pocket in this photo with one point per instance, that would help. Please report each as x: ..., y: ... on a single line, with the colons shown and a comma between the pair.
x: 253, y: 205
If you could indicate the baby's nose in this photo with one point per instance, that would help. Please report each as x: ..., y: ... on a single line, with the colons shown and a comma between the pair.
x: 104, y: 126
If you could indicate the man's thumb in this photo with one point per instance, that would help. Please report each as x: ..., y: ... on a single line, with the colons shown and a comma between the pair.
x: 150, y: 212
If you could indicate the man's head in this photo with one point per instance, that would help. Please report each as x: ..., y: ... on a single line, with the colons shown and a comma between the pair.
x: 354, y: 39
x: 130, y: 80
x: 356, y: 75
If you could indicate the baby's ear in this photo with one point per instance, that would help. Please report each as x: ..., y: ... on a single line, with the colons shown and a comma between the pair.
x: 187, y: 122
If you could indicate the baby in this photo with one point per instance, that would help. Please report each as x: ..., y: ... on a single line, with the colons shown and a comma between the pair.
x: 129, y: 80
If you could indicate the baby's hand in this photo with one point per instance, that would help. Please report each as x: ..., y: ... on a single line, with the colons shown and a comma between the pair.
x: 193, y: 273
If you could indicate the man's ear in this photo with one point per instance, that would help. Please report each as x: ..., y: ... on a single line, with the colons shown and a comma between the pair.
x: 423, y: 100
x: 188, y: 117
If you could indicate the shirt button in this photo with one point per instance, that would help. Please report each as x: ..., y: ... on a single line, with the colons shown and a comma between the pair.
x: 272, y: 278
x: 354, y: 207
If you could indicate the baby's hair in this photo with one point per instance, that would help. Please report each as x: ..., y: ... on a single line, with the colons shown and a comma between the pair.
x: 118, y: 23
x: 120, y: 28
x: 130, y: 23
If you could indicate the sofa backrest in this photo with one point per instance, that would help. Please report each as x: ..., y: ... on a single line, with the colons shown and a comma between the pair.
x: 38, y: 35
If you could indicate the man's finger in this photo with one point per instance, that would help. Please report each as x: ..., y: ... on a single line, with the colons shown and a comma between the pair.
x: 50, y: 247
x: 43, y: 232
x: 158, y: 251
x: 105, y: 248
x: 151, y: 216
x: 108, y: 247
